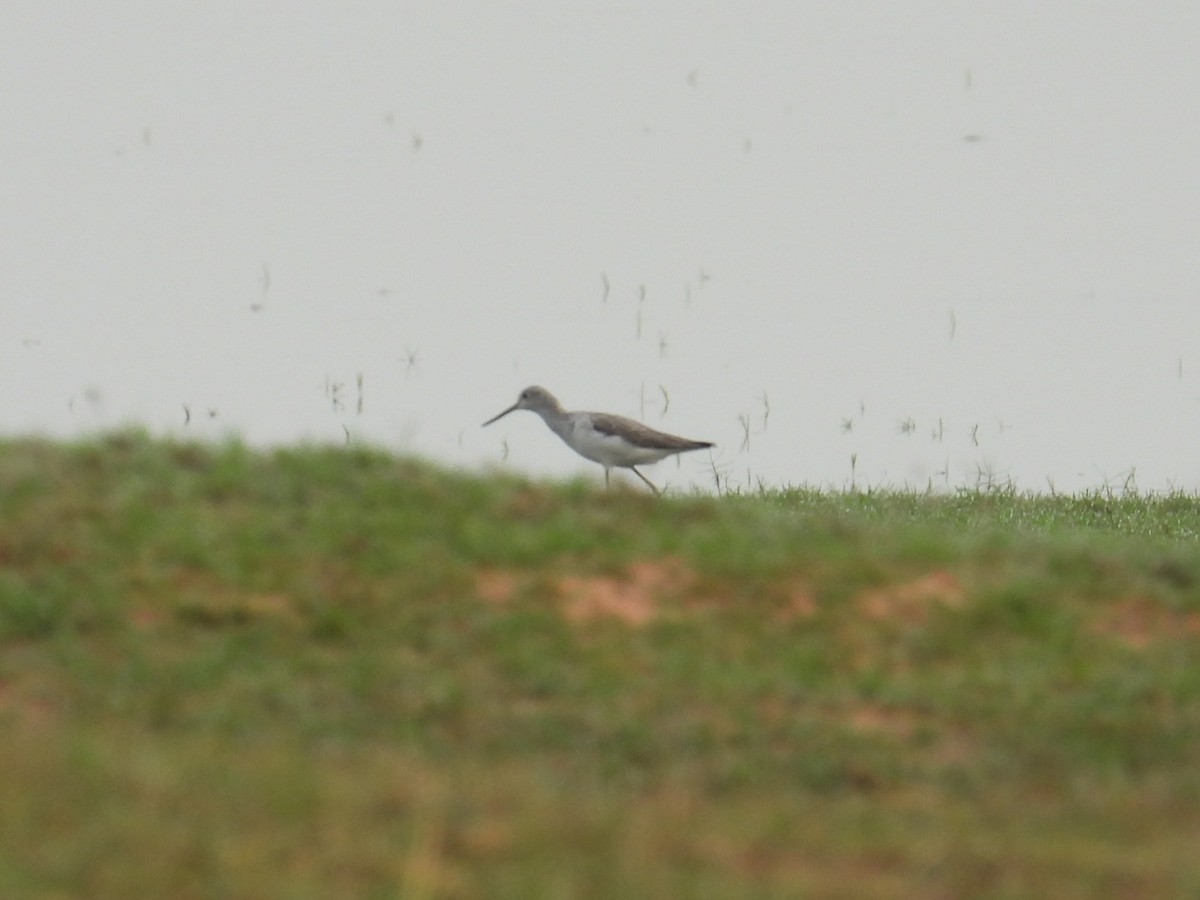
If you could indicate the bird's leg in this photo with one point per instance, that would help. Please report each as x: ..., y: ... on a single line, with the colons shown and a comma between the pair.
x: 645, y: 479
x: 606, y: 477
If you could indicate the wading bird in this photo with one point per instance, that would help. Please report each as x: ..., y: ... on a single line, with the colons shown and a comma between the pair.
x: 612, y: 441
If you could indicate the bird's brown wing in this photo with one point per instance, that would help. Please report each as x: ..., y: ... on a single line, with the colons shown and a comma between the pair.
x: 642, y: 435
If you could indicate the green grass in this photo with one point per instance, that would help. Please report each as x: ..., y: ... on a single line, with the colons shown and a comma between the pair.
x: 321, y: 672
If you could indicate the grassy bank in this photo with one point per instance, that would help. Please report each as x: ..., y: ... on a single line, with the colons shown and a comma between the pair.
x: 325, y: 672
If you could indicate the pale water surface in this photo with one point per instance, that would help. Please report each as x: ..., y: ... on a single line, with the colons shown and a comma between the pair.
x: 954, y: 242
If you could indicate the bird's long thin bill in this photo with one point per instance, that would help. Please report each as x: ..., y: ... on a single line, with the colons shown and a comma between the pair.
x: 501, y: 416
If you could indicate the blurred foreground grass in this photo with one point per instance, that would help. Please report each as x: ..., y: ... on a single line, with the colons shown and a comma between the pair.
x: 320, y: 672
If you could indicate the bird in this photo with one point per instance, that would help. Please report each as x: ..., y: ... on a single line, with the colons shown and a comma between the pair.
x: 610, y: 440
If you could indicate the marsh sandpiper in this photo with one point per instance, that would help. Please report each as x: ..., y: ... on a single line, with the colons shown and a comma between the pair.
x: 612, y: 441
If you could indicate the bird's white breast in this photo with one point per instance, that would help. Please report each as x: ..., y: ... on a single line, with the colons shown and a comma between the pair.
x: 607, y: 449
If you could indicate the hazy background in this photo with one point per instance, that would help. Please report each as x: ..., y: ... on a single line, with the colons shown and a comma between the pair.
x: 956, y: 241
